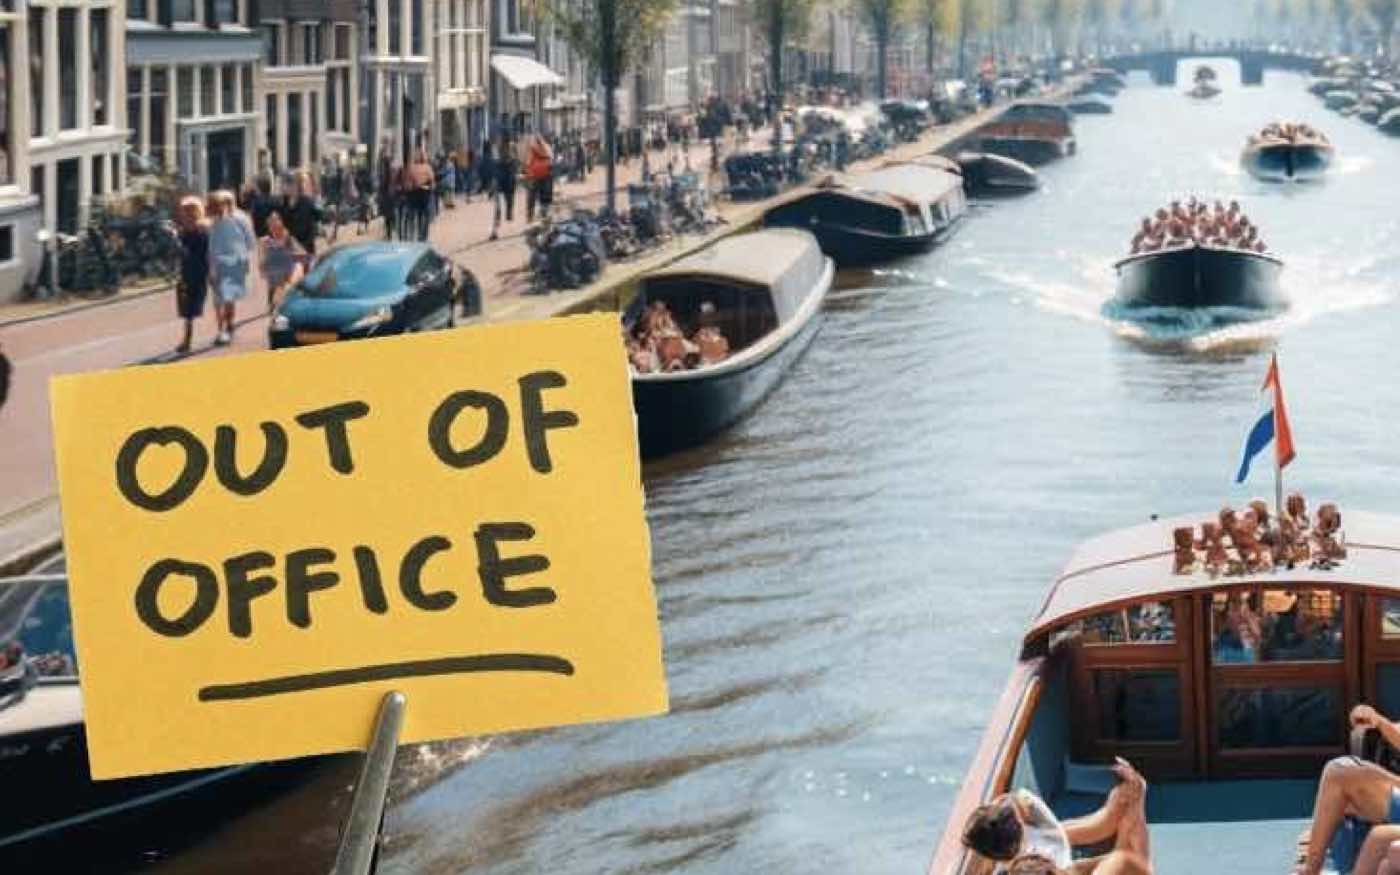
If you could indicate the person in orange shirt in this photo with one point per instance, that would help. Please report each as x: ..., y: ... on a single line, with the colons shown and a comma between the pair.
x: 539, y: 177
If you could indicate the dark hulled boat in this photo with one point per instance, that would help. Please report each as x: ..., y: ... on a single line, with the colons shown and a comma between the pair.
x: 1200, y: 276
x: 767, y: 290
x: 987, y: 175
x: 1203, y: 90
x: 900, y: 209
x: 1035, y: 132
x: 1229, y: 690
x: 1283, y: 160
x: 50, y: 795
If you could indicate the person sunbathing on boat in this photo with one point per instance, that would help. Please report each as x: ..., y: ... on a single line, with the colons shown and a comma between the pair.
x: 1019, y: 827
x: 1356, y: 814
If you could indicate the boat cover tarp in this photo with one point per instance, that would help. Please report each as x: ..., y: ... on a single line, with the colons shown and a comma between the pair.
x: 911, y: 183
x: 786, y: 260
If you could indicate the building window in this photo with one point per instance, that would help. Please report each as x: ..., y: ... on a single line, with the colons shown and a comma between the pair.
x: 100, y: 90
x: 99, y: 174
x: 183, y: 10
x: 315, y: 125
x: 225, y: 12
x: 207, y: 95
x: 159, y: 91
x: 332, y: 103
x: 7, y: 243
x: 184, y: 92
x: 396, y: 27
x: 415, y: 28
x: 270, y: 115
x: 67, y: 69
x: 342, y: 42
x: 272, y: 44
x: 247, y: 83
x: 133, y: 106
x: 229, y: 89
x: 137, y: 10
x: 7, y: 164
x: 345, y: 99
x: 36, y: 181
x: 69, y: 197
x: 310, y: 44
x: 36, y: 71
x: 293, y: 130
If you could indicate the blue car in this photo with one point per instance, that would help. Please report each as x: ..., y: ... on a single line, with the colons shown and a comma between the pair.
x: 369, y: 289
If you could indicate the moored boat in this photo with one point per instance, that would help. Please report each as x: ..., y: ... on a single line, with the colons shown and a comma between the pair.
x: 900, y: 209
x: 740, y: 313
x: 43, y: 747
x: 1284, y: 152
x: 987, y: 175
x: 1390, y: 122
x: 1224, y: 675
x: 1089, y: 107
x: 1035, y: 132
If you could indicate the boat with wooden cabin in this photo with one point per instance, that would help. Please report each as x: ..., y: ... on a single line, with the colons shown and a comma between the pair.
x: 1034, y: 131
x: 763, y: 293
x: 1228, y: 687
x: 900, y: 209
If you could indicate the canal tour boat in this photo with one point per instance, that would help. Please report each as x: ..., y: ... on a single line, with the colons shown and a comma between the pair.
x: 1287, y: 152
x: 756, y: 296
x: 50, y: 795
x: 1033, y: 131
x: 1225, y: 678
x: 1193, y: 275
x: 901, y: 209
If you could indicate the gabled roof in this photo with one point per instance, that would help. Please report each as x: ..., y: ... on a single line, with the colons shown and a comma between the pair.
x: 1133, y: 564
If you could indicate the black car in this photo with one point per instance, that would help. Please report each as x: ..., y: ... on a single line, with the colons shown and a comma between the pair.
x: 368, y: 289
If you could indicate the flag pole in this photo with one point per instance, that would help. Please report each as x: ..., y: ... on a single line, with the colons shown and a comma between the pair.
x: 1278, y: 488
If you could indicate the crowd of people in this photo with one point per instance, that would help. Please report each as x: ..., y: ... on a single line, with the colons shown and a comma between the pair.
x: 222, y: 244
x: 1195, y: 222
x: 656, y: 343
x: 1255, y: 540
x: 1291, y: 132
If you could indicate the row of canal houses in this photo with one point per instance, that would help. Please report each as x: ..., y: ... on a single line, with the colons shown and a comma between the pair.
x: 218, y: 90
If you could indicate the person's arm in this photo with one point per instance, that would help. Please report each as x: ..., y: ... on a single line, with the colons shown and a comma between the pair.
x: 1370, y: 718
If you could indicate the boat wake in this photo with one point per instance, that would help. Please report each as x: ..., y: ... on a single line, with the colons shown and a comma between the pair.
x: 1313, y: 288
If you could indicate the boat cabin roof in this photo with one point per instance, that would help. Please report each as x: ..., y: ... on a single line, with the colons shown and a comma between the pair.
x: 1135, y: 564
x: 787, y: 262
x: 1036, y: 110
x: 915, y: 183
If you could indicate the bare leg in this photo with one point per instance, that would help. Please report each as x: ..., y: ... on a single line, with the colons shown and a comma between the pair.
x: 1374, y: 849
x: 1352, y: 786
x: 1391, y: 864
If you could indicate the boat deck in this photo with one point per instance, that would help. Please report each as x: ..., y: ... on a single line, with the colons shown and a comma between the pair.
x: 1239, y: 827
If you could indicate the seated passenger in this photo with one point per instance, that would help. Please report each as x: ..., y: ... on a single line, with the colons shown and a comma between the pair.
x: 1114, y: 863
x: 1366, y: 794
x: 1018, y: 825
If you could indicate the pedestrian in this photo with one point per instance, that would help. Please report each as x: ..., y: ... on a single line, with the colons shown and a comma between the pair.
x: 447, y: 184
x: 387, y: 193
x: 539, y: 177
x: 419, y: 179
x: 193, y: 285
x: 300, y: 210
x: 231, y: 247
x: 282, y: 259
x: 261, y: 203
x: 502, y: 185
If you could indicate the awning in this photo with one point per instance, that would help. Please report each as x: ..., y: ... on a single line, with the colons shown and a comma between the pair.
x: 523, y: 73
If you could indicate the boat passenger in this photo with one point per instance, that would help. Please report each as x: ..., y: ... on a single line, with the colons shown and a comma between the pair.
x: 1018, y: 824
x: 1114, y: 863
x: 1362, y: 793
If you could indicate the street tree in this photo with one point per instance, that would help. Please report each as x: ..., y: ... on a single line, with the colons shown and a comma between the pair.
x: 1059, y: 18
x: 884, y: 18
x: 1342, y: 13
x: 933, y: 17
x: 1383, y: 14
x: 781, y: 22
x: 612, y: 36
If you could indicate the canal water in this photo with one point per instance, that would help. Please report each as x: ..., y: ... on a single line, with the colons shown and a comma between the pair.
x: 844, y: 577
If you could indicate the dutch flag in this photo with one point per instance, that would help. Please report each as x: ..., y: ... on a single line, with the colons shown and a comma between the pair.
x: 1272, y: 425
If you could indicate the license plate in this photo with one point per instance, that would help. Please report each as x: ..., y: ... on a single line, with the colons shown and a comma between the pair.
x: 316, y: 336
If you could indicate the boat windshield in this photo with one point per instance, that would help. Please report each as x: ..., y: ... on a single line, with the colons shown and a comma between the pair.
x: 36, y: 630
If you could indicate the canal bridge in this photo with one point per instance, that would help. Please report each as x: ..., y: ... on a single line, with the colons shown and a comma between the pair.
x: 1163, y: 64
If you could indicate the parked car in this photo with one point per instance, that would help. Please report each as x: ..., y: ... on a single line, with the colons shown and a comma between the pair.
x: 368, y: 289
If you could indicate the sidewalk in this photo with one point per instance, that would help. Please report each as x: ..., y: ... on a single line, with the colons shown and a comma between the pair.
x: 143, y: 328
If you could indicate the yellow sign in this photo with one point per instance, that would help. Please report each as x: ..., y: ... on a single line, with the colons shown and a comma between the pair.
x: 260, y: 547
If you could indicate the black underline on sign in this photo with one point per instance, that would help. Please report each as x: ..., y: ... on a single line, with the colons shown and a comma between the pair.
x: 297, y: 683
